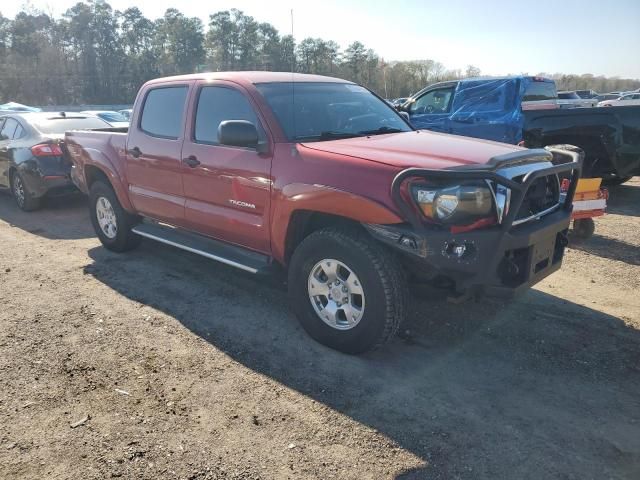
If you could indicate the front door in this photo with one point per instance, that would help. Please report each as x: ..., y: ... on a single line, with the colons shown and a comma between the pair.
x: 227, y: 189
x: 431, y: 110
x: 154, y: 143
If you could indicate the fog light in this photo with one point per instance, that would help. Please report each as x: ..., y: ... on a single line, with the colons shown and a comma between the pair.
x: 459, y: 250
x: 464, y: 250
x: 408, y: 242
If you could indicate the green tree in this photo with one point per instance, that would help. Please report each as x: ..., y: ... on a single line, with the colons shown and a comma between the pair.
x: 356, y: 58
x: 179, y: 43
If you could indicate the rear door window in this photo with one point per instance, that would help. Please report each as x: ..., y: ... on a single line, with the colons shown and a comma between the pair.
x: 19, y: 133
x: 217, y: 104
x: 163, y: 111
x: 8, y: 129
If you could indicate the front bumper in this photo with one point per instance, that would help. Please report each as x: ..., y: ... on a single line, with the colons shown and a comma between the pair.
x: 493, y: 262
x: 504, y: 259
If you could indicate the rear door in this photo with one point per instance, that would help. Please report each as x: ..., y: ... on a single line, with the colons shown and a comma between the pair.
x: 153, y: 161
x: 227, y: 189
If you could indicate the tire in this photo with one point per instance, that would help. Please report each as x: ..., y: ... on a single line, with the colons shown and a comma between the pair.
x: 583, y: 228
x: 21, y: 194
x: 117, y: 235
x: 375, y: 270
x: 614, y: 180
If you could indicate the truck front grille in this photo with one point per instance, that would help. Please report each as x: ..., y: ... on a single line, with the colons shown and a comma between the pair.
x: 542, y: 195
x: 541, y: 198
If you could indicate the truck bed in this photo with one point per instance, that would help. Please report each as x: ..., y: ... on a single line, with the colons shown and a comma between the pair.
x: 99, y: 146
x: 611, y: 133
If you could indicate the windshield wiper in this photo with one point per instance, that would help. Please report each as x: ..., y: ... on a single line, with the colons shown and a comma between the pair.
x: 382, y: 130
x: 328, y: 135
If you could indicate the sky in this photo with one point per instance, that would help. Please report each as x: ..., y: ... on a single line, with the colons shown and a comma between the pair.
x: 498, y: 36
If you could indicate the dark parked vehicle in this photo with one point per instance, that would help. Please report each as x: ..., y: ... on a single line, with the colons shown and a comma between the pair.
x: 32, y: 162
x: 508, y: 110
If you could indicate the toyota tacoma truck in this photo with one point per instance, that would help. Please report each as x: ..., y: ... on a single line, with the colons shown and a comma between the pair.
x: 322, y: 179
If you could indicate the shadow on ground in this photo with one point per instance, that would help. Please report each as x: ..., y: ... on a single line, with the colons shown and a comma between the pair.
x: 53, y: 220
x: 537, y: 388
x: 611, y: 248
x: 625, y: 199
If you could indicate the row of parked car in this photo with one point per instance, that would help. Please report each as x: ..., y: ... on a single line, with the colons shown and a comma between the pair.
x: 573, y: 99
x: 351, y: 198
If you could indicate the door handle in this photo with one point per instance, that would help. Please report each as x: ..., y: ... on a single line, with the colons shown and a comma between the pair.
x: 191, y: 161
x: 134, y: 152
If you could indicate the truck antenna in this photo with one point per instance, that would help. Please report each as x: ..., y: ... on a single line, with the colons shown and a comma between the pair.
x: 293, y: 80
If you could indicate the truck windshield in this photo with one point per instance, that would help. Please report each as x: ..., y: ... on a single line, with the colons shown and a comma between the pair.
x: 309, y: 111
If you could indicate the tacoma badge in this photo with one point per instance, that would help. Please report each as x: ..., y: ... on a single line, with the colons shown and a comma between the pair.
x: 238, y: 203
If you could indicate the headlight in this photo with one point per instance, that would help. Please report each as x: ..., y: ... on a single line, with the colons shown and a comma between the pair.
x: 455, y: 205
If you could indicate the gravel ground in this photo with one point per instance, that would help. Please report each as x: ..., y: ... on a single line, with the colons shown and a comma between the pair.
x: 159, y: 364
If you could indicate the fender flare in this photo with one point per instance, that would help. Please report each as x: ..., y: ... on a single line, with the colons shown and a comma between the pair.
x: 321, y: 199
x: 100, y: 161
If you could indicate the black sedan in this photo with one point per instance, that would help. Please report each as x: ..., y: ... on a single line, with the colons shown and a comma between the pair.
x: 32, y: 161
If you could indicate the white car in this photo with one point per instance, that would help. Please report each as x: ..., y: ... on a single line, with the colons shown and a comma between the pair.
x: 114, y: 119
x: 573, y: 100
x: 126, y: 113
x: 622, y: 101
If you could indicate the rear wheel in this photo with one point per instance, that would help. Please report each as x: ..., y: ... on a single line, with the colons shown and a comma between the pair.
x: 21, y: 194
x: 583, y: 228
x: 346, y: 290
x: 111, y: 222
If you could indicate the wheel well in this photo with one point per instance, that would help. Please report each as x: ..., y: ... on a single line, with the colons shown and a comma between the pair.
x: 596, y: 159
x: 93, y: 174
x: 304, y: 222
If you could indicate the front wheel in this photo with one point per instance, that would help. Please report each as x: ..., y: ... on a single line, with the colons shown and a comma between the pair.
x: 111, y: 222
x: 347, y: 291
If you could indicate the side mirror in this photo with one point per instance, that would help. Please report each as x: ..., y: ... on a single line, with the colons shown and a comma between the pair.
x: 238, y: 133
x: 405, y: 115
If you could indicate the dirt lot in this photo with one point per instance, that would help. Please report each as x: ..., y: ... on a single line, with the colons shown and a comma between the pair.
x: 188, y: 369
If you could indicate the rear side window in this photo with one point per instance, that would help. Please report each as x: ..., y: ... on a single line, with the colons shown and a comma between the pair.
x: 217, y: 104
x: 19, y: 133
x: 163, y: 110
x: 540, y: 91
x: 8, y: 129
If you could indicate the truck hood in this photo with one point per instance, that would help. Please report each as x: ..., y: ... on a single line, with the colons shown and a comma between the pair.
x: 422, y: 149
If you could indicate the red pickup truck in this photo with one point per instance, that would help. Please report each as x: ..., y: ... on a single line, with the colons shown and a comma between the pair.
x: 320, y: 177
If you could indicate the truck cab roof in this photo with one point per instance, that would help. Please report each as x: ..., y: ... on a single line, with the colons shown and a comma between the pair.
x: 249, y: 77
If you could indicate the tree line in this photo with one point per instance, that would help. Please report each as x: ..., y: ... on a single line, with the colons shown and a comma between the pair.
x: 93, y: 54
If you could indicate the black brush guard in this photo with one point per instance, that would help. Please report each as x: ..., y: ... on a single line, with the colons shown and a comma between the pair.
x: 496, y: 243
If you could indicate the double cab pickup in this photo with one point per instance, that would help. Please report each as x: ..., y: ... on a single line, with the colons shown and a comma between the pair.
x: 320, y: 178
